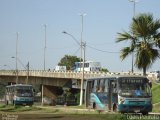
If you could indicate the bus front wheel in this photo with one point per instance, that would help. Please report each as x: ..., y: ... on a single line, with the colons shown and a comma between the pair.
x: 144, y: 113
x: 30, y: 104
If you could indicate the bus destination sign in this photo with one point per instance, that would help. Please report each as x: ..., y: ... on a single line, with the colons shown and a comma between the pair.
x: 132, y: 81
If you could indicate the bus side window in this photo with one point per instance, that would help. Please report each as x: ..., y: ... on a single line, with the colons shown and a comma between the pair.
x: 106, y: 85
x: 94, y: 86
x: 114, y: 87
x: 6, y: 91
x: 97, y: 89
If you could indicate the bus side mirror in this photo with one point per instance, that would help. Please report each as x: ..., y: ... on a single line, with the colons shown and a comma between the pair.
x: 34, y: 90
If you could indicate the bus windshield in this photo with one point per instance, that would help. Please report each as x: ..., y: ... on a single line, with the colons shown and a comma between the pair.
x: 134, y: 87
x: 24, y: 91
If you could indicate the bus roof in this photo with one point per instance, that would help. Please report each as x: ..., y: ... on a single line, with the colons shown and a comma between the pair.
x: 88, y: 62
x: 116, y: 76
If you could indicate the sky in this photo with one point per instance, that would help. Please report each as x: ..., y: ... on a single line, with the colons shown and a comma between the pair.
x: 103, y: 20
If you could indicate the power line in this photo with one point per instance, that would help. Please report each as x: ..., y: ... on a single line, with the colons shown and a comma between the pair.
x: 76, y: 51
x: 101, y: 50
x: 100, y: 44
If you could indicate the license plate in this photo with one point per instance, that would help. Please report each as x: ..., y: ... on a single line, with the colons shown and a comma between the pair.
x: 136, y: 110
x: 24, y: 104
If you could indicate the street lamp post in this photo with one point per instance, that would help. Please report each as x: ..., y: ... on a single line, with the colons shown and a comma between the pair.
x: 27, y: 73
x: 134, y: 6
x: 83, y: 45
x: 82, y: 79
x: 134, y: 12
x: 17, y: 57
x: 64, y: 32
x: 45, y: 47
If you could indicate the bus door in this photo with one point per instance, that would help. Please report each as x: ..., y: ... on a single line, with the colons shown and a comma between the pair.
x: 88, y: 90
x: 112, y: 94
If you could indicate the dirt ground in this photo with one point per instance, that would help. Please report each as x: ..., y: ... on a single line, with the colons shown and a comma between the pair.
x: 51, y: 117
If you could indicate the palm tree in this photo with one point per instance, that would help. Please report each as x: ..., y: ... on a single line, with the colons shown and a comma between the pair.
x: 144, y: 38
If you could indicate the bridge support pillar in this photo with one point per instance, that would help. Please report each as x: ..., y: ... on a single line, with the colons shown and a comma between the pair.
x: 49, y: 92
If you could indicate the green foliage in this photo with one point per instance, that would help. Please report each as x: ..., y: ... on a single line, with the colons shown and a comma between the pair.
x: 2, y: 91
x: 78, y: 97
x: 155, y: 93
x: 68, y: 61
x: 156, y: 108
x: 67, y: 92
x: 104, y: 70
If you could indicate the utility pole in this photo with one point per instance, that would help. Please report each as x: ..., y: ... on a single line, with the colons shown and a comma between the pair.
x: 45, y: 47
x: 82, y: 80
x: 134, y: 12
x: 17, y: 57
x: 27, y: 73
x: 82, y: 45
x: 82, y: 48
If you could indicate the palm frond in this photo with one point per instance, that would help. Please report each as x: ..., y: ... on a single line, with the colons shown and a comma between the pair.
x: 125, y: 36
x: 146, y: 56
x: 144, y: 37
x: 125, y: 52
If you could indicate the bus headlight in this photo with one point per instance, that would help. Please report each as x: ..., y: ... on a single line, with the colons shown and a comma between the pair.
x: 122, y: 101
x: 148, y: 102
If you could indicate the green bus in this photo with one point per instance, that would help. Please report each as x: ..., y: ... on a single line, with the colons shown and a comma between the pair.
x: 126, y: 94
x: 19, y: 94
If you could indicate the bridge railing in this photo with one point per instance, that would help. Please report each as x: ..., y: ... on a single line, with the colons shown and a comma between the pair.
x: 58, y: 74
x: 61, y: 74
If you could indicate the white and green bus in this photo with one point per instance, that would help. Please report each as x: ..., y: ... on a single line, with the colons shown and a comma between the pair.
x: 126, y: 94
x: 19, y: 94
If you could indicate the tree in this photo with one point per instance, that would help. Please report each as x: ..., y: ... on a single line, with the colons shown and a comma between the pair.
x: 144, y: 39
x: 104, y: 70
x: 2, y: 91
x: 68, y: 61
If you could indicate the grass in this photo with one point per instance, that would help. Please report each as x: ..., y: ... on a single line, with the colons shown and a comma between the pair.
x: 156, y: 108
x: 11, y: 108
x: 43, y: 109
x: 41, y: 112
x: 156, y: 93
x: 67, y: 113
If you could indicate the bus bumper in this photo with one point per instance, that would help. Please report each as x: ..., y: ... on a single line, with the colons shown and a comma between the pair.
x: 17, y: 102
x: 123, y: 108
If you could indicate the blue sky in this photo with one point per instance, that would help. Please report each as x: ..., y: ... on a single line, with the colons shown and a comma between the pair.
x: 103, y: 20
